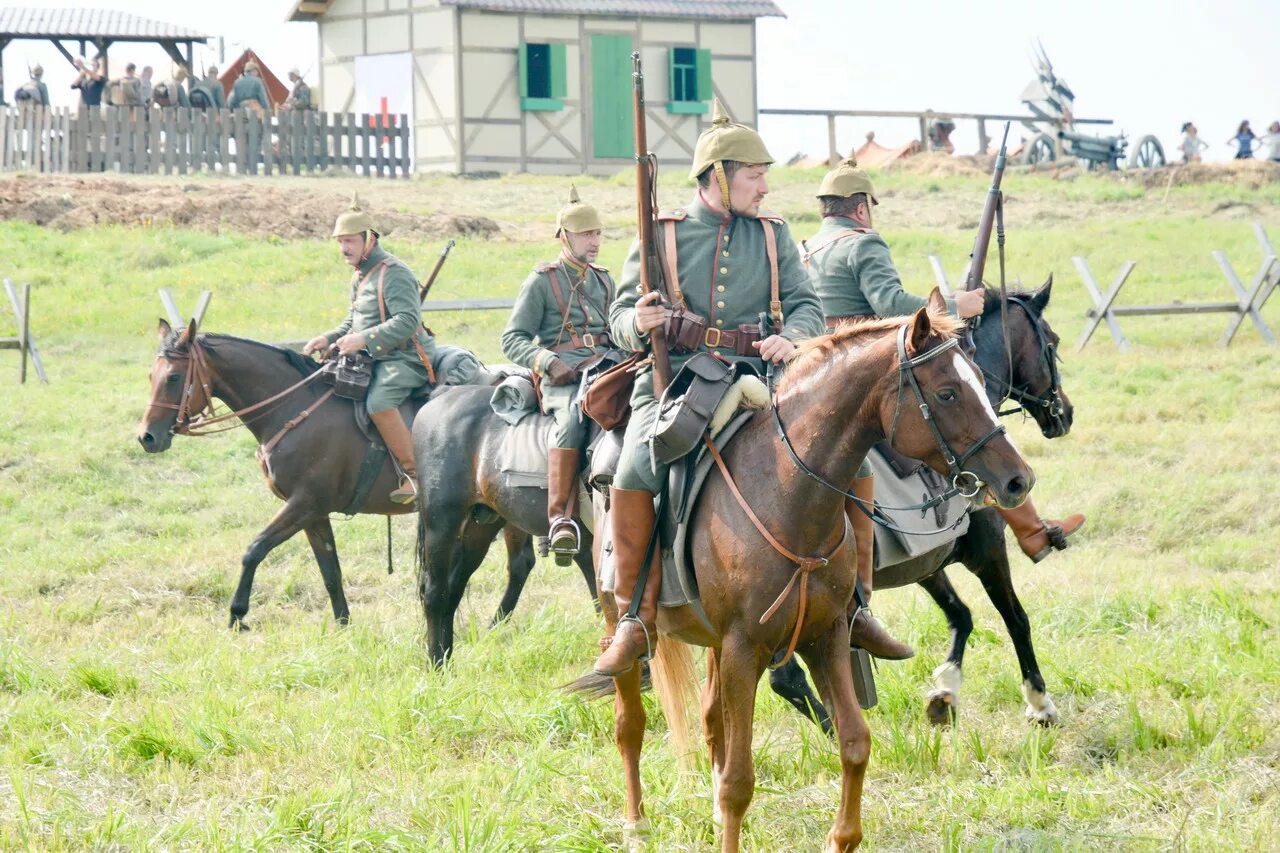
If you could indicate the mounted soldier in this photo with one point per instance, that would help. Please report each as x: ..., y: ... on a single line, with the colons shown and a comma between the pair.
x: 558, y: 328
x: 208, y: 93
x: 170, y: 93
x: 385, y: 320
x: 852, y: 271
x: 725, y: 259
x: 250, y: 91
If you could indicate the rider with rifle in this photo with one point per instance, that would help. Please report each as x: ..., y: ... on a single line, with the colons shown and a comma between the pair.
x: 853, y: 273
x: 384, y: 320
x: 725, y: 264
x: 559, y: 327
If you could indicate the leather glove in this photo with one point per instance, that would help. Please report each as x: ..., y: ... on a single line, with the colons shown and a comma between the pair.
x: 560, y: 373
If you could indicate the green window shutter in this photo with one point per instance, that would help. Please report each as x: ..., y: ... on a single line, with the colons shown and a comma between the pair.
x: 704, y: 74
x: 559, y: 81
x: 523, y: 54
x: 673, y: 76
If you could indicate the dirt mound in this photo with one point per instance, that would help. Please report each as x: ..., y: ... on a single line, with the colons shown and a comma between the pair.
x: 1245, y: 173
x: 68, y: 203
x: 937, y: 164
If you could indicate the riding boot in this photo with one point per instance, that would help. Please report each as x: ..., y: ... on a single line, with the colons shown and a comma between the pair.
x: 399, y: 441
x: 562, y: 487
x: 1038, y: 536
x: 865, y: 631
x: 632, y: 515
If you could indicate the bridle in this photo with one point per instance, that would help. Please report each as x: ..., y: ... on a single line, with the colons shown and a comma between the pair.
x: 1051, y: 402
x: 195, y: 419
x: 963, y: 483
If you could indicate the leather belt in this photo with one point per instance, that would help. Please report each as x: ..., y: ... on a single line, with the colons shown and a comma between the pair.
x: 715, y: 338
x: 588, y: 341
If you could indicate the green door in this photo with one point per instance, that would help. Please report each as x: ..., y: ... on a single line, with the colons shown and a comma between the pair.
x: 612, y: 124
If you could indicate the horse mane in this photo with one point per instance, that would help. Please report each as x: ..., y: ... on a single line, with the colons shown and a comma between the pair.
x: 992, y: 299
x: 814, y: 354
x: 297, y: 361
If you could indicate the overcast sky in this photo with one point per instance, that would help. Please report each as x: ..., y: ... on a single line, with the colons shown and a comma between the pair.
x: 1146, y: 64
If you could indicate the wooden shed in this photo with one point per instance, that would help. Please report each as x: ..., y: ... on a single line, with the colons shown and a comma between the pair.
x: 537, y: 85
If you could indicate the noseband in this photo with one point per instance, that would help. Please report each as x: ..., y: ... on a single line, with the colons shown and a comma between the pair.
x: 1051, y: 402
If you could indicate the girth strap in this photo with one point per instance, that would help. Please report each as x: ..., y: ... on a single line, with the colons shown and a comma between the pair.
x: 804, y: 565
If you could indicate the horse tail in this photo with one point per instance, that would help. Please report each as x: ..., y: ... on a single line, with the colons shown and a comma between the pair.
x: 420, y: 554
x: 676, y: 682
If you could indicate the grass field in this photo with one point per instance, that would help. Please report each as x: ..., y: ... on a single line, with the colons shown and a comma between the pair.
x: 130, y: 718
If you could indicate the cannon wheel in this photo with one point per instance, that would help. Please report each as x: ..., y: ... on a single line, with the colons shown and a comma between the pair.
x: 1147, y: 154
x: 1040, y: 149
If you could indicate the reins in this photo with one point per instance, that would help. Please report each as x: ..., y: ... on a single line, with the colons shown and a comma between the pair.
x: 1052, y: 401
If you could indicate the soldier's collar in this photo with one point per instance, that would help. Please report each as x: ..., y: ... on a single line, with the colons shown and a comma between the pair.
x: 578, y: 268
x: 376, y: 255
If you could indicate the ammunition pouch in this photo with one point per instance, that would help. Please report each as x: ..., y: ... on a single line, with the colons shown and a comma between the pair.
x: 687, y: 406
x: 685, y: 331
x: 349, y: 375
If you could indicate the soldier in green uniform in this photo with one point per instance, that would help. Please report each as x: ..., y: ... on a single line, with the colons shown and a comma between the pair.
x: 249, y: 89
x: 385, y: 319
x: 727, y: 253
x: 208, y: 93
x: 170, y: 93
x: 854, y: 275
x: 300, y: 96
x: 560, y: 326
x: 34, y: 91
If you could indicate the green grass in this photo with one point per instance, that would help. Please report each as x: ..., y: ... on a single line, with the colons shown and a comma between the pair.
x: 132, y: 719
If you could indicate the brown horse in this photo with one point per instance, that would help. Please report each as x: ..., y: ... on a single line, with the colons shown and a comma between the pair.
x: 310, y: 448
x: 908, y: 382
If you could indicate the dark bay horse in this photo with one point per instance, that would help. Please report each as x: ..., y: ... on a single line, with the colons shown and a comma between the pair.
x: 1027, y: 376
x: 465, y: 501
x: 841, y: 394
x: 313, y: 466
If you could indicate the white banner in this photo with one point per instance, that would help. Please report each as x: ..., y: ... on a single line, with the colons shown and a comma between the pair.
x: 384, y: 89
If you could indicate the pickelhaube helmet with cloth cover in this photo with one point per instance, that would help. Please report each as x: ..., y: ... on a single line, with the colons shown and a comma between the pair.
x: 353, y: 220
x: 846, y: 179
x: 576, y: 216
x: 727, y: 140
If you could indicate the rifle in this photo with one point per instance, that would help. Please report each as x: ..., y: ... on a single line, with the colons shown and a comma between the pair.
x: 646, y: 195
x: 992, y: 212
x: 435, y: 271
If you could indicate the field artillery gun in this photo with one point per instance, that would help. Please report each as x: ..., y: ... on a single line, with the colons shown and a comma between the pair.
x: 1051, y: 100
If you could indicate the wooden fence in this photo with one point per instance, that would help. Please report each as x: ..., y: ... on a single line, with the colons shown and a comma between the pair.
x: 176, y: 140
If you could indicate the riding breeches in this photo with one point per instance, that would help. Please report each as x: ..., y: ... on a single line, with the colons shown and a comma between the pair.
x: 394, y: 379
x: 637, y: 469
x: 561, y: 402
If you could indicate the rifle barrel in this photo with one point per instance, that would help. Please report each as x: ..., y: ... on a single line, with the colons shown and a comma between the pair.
x: 982, y: 242
x: 645, y: 191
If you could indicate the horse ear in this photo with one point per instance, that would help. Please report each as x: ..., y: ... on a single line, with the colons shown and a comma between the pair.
x: 1040, y: 299
x: 189, y: 334
x: 936, y: 302
x: 164, y: 329
x: 920, y: 330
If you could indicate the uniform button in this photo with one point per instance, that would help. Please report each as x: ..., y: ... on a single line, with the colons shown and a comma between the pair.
x: 725, y: 253
x: 719, y: 322
x: 720, y: 287
x: 720, y: 304
x: 724, y: 270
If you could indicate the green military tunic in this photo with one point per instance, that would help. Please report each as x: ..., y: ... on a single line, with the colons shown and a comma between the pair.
x: 300, y: 98
x: 855, y: 276
x: 249, y: 88
x: 39, y: 92
x: 540, y: 329
x: 213, y: 88
x: 398, y: 368
x: 724, y: 274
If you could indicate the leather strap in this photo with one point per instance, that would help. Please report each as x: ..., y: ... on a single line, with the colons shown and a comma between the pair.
x: 805, y: 566
x: 771, y: 249
x: 293, y: 422
x: 382, y: 314
x: 833, y: 238
x: 575, y: 342
x: 671, y: 262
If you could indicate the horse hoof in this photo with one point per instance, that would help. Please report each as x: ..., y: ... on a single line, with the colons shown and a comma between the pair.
x: 343, y: 621
x: 1046, y: 717
x: 635, y: 835
x: 940, y: 707
x: 237, y: 623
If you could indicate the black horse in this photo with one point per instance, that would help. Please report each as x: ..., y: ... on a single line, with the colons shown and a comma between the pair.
x: 1026, y: 373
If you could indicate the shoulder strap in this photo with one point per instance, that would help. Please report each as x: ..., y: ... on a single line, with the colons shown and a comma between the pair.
x: 832, y: 238
x: 553, y: 275
x: 670, y: 261
x: 771, y: 249
x: 382, y: 312
x: 672, y: 214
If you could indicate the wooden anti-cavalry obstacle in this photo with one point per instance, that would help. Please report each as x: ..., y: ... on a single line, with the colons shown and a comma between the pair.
x: 24, y: 342
x: 1247, y: 304
x: 175, y: 316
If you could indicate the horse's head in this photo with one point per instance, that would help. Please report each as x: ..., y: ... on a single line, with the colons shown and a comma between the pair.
x: 940, y: 412
x: 1032, y: 359
x: 177, y: 393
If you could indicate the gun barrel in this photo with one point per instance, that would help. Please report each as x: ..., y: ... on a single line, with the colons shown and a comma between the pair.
x: 982, y: 242
x: 645, y: 192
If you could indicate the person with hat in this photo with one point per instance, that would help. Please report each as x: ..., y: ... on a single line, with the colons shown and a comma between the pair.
x: 250, y: 90
x: 300, y: 97
x: 728, y: 255
x: 854, y: 275
x: 33, y: 92
x: 170, y: 93
x: 209, y: 92
x: 385, y: 320
x: 559, y: 327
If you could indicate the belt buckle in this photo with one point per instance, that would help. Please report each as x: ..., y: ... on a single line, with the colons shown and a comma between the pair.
x: 589, y: 340
x: 707, y: 339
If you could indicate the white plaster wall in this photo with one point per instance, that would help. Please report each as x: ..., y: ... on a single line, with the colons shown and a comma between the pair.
x: 336, y: 84
x: 668, y: 32
x: 727, y: 38
x: 487, y: 74
x: 672, y: 155
x: 481, y: 30
x: 433, y: 29
x: 657, y: 74
x: 388, y: 34
x: 433, y: 143
x: 341, y: 39
x: 372, y: 7
x: 345, y: 7
x: 611, y: 25
x: 502, y: 140
x: 437, y: 70
x: 542, y: 143
x: 733, y: 80
x: 555, y: 28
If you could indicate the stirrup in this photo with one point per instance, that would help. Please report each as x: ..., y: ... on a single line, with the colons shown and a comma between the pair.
x: 567, y: 528
x: 400, y: 496
x: 648, y: 640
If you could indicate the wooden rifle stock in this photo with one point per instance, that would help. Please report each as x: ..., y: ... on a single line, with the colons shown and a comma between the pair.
x: 646, y: 191
x: 435, y: 271
x: 981, y: 243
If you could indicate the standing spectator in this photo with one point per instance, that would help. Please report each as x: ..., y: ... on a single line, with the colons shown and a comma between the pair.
x: 145, y: 82
x: 1272, y: 141
x: 250, y: 90
x: 300, y: 97
x: 169, y: 93
x: 1192, y: 144
x: 90, y: 82
x: 126, y: 91
x: 1244, y: 140
x: 33, y: 92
